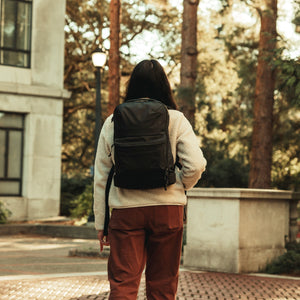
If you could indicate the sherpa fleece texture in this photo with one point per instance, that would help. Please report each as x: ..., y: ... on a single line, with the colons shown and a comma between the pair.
x: 183, y: 142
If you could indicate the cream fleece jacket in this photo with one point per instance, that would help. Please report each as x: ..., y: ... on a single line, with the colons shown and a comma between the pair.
x: 183, y: 142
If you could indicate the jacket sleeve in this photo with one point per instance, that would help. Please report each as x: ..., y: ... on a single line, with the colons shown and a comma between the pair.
x: 103, y: 164
x: 190, y: 154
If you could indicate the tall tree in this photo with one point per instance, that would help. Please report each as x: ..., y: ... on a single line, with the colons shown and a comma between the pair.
x: 188, y: 71
x: 261, y: 148
x: 114, y: 56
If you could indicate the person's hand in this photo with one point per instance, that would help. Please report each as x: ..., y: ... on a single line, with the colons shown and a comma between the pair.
x: 102, y: 239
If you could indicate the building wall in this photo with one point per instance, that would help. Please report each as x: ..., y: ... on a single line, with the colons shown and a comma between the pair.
x: 38, y: 93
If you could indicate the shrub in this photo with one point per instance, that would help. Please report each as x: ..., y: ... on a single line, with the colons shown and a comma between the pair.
x: 4, y: 213
x: 293, y: 246
x: 288, y: 263
x: 71, y: 188
x: 83, y: 204
x: 225, y: 172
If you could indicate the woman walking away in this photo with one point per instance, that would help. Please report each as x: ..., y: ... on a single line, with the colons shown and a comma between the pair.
x: 146, y: 225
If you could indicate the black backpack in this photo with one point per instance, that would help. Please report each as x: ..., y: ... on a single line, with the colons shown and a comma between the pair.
x: 143, y: 157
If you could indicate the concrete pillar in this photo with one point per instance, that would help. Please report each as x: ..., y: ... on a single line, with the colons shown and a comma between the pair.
x: 237, y: 230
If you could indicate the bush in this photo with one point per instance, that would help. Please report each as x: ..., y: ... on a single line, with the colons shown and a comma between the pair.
x: 288, y: 263
x: 83, y: 204
x: 225, y: 172
x: 4, y: 213
x: 293, y: 246
x: 71, y: 188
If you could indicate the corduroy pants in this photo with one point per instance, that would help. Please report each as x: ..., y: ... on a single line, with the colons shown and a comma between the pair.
x: 145, y: 236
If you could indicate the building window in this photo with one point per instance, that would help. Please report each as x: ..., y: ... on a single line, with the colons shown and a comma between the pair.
x: 15, y: 32
x: 11, y: 153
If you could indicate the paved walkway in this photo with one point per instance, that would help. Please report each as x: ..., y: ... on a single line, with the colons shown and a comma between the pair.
x: 39, y: 268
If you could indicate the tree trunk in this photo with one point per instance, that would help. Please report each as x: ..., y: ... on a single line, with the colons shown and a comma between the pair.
x: 114, y: 57
x: 188, y: 72
x: 261, y: 149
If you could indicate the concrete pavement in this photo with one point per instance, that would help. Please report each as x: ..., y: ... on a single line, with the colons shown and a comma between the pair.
x: 37, y: 267
x: 32, y: 255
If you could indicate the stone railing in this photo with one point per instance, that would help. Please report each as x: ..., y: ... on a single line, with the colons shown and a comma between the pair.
x: 238, y: 230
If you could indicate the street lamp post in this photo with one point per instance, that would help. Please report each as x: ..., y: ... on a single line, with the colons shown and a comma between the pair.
x: 99, y: 59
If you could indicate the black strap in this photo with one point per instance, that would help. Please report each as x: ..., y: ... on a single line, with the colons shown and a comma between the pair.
x: 107, y: 188
x: 177, y: 163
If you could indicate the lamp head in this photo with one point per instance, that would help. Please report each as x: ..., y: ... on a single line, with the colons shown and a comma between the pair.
x: 99, y: 58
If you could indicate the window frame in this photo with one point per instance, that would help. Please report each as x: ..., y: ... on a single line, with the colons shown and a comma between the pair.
x: 14, y: 48
x: 6, y: 155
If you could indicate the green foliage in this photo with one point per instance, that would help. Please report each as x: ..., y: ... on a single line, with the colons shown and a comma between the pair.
x: 85, y: 21
x: 71, y: 189
x: 139, y: 17
x: 227, y: 173
x: 293, y: 246
x: 4, y: 213
x: 223, y: 171
x: 289, y: 79
x: 87, y: 24
x: 286, y: 137
x: 227, y: 61
x: 296, y: 20
x: 83, y: 204
x: 288, y: 263
x: 227, y: 67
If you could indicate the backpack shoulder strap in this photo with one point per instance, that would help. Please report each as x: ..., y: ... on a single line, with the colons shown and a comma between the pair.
x: 177, y: 163
x: 107, y: 188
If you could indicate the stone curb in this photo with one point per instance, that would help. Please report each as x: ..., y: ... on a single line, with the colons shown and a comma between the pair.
x: 65, y: 231
x: 90, y: 253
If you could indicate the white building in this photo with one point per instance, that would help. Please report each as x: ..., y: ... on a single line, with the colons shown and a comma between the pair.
x: 31, y: 106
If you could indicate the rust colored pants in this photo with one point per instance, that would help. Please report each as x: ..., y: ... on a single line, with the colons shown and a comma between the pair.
x: 150, y: 236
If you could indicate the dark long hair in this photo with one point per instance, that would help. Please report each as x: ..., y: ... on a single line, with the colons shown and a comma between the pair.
x: 149, y: 80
